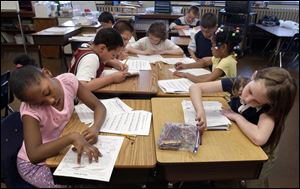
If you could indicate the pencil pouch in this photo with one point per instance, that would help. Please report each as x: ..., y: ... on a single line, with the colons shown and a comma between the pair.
x: 179, y: 136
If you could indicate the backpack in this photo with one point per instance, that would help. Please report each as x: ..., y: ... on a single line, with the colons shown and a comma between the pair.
x: 269, y: 21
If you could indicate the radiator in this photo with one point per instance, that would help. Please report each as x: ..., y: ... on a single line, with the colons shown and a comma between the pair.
x: 281, y: 14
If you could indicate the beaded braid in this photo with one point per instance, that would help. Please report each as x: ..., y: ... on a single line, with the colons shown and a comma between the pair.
x: 230, y: 36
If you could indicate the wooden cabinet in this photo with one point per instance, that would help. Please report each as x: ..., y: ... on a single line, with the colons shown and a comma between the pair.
x: 41, y: 24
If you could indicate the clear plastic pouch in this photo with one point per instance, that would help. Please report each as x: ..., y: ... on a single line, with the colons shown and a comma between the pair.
x: 179, y: 136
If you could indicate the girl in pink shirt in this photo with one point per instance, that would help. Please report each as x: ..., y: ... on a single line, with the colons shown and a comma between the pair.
x: 47, y: 106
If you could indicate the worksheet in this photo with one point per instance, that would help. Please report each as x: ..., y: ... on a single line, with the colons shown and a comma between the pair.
x: 109, y: 146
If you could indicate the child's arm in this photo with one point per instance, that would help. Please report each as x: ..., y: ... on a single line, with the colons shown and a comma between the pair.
x: 177, y: 51
x: 196, y: 91
x: 85, y: 96
x: 193, y: 55
x: 37, y: 151
x: 115, y: 63
x: 100, y: 82
x: 181, y: 27
x: 258, y: 134
x: 136, y: 51
x: 217, y: 73
x: 201, y: 63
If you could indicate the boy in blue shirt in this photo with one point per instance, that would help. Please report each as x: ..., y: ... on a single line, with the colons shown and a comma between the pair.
x: 200, y: 45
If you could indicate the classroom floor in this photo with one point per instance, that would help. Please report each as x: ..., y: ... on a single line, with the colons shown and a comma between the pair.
x: 285, y: 173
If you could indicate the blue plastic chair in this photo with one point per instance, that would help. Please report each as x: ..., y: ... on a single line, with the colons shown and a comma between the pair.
x: 11, y: 142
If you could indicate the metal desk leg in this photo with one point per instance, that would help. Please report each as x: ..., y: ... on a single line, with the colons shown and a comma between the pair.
x: 276, y: 51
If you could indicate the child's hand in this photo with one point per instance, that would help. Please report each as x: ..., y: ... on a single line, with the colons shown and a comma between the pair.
x: 82, y: 146
x: 180, y: 66
x: 180, y: 74
x: 123, y: 55
x: 118, y: 77
x: 90, y: 135
x: 201, y: 122
x: 230, y: 114
x: 122, y: 67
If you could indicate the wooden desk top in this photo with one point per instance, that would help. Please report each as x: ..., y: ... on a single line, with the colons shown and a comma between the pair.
x: 140, y: 154
x: 217, y: 146
x: 51, y: 37
x: 144, y: 83
x: 60, y: 31
x: 278, y: 31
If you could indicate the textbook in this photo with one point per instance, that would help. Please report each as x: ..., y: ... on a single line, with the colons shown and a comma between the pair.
x: 215, y: 120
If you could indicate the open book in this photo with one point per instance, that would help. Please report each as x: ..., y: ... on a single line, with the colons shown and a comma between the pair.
x: 215, y: 120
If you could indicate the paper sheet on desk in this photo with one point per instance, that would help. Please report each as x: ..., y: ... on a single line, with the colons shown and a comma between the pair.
x: 191, y: 31
x: 175, y: 85
x: 109, y: 146
x: 137, y: 64
x: 194, y: 71
x: 113, y: 106
x: 132, y: 123
x: 57, y: 30
x: 184, y: 60
x: 150, y: 58
x: 111, y: 71
x: 215, y: 120
x: 81, y: 38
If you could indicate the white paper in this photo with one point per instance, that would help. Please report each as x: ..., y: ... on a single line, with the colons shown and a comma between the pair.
x: 109, y: 146
x: 175, y: 85
x: 183, y: 60
x: 191, y: 31
x: 215, y: 120
x: 111, y: 71
x: 57, y: 30
x: 113, y: 106
x: 137, y: 64
x: 193, y: 71
x: 133, y: 123
x: 151, y: 58
x: 81, y: 38
x: 89, y: 35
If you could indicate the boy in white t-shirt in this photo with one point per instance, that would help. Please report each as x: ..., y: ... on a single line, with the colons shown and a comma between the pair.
x: 88, y: 63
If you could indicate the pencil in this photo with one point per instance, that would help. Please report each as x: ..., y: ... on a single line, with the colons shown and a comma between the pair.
x: 125, y: 61
x: 159, y: 65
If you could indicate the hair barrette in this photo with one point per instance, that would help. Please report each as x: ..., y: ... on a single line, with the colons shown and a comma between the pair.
x: 19, y: 66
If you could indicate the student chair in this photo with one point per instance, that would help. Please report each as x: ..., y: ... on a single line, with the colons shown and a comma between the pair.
x: 7, y: 96
x: 11, y: 142
x: 292, y: 49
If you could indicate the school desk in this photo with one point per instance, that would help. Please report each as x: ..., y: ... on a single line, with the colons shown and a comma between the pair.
x: 48, y: 37
x: 142, y: 86
x: 222, y: 155
x: 135, y: 157
x: 164, y: 73
x: 280, y: 33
